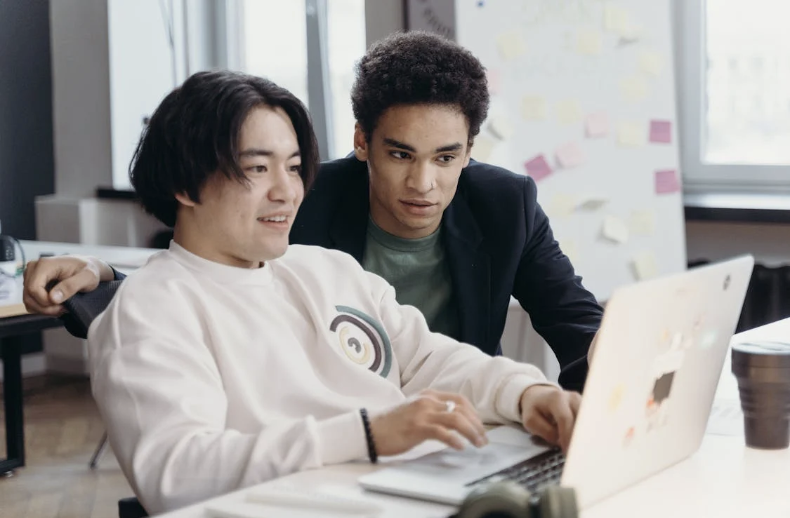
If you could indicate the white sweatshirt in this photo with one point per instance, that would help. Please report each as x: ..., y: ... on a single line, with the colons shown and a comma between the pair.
x: 211, y: 378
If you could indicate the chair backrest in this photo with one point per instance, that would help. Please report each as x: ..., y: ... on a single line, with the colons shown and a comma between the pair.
x: 85, y: 307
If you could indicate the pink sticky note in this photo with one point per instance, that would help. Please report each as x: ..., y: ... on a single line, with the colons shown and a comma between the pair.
x: 667, y: 182
x: 661, y: 132
x: 597, y: 125
x: 538, y: 168
x: 494, y: 81
x: 570, y: 155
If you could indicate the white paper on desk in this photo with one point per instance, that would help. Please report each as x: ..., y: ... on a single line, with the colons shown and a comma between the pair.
x: 726, y: 418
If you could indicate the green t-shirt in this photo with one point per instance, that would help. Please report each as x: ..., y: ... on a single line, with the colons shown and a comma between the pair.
x: 419, y: 273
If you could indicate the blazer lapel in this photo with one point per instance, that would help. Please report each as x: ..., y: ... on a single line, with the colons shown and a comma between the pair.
x: 348, y: 231
x: 470, y: 271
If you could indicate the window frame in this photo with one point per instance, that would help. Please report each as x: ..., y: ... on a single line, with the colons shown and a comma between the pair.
x: 700, y: 176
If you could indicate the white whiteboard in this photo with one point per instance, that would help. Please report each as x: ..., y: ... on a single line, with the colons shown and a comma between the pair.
x: 554, y: 66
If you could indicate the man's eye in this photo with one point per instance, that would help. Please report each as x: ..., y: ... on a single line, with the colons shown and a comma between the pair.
x: 258, y: 169
x: 446, y: 159
x: 400, y: 155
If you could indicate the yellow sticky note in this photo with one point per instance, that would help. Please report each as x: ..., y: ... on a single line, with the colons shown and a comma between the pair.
x: 651, y: 63
x: 510, y: 45
x: 645, y: 265
x: 615, y: 230
x: 634, y: 88
x: 616, y: 398
x: 589, y: 42
x: 643, y: 223
x: 533, y: 108
x: 561, y: 205
x: 569, y: 112
x: 501, y: 127
x: 616, y: 18
x: 630, y: 134
x: 482, y: 148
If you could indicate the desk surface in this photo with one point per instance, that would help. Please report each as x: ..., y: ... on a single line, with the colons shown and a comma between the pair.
x: 723, y: 479
x: 124, y: 259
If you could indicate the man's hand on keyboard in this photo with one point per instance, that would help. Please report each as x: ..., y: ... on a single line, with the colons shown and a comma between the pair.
x: 550, y: 413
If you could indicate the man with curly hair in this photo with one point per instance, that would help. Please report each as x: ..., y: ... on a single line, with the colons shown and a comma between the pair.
x: 456, y: 237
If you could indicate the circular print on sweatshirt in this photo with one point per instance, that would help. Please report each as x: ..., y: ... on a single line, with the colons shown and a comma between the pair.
x: 363, y: 340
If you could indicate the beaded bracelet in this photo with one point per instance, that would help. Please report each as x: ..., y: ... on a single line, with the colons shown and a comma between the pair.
x: 374, y: 457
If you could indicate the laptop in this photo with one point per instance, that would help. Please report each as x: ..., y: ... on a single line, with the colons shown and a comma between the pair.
x: 648, y: 395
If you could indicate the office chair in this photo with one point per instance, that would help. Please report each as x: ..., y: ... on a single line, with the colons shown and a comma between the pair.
x: 84, y: 308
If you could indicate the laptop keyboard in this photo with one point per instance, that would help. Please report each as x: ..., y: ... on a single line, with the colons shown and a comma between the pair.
x: 534, y: 474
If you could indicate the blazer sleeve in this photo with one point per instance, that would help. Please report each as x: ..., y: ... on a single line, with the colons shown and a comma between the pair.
x: 562, y: 311
x: 71, y: 325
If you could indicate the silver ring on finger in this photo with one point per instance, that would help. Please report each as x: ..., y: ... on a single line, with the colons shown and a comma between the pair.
x: 450, y: 406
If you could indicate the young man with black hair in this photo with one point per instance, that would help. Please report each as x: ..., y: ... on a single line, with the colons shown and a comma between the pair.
x: 455, y: 237
x: 233, y: 357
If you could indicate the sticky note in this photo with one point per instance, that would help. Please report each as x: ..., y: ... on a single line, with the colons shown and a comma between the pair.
x: 651, y: 63
x: 597, y: 125
x: 533, y: 108
x: 616, y: 19
x: 591, y: 202
x: 570, y: 249
x: 643, y: 223
x: 630, y: 134
x: 561, y: 205
x: 570, y: 155
x: 510, y: 45
x: 667, y: 182
x: 631, y: 33
x: 494, y: 79
x: 645, y: 265
x: 634, y: 88
x: 569, y: 111
x: 616, y: 398
x: 589, y: 42
x: 538, y: 168
x: 661, y: 132
x: 501, y: 127
x: 482, y: 148
x: 615, y: 230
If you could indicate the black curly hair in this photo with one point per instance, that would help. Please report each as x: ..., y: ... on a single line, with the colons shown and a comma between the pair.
x: 419, y: 68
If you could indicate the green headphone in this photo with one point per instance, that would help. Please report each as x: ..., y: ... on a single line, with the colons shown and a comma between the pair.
x: 510, y: 500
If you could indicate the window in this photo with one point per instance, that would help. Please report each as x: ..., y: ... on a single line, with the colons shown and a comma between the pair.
x: 734, y: 69
x: 346, y: 43
x: 274, y: 44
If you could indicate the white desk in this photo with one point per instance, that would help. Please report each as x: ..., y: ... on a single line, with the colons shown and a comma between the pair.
x: 724, y: 479
x: 124, y: 259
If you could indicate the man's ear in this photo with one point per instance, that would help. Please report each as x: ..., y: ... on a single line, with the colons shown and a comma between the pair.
x: 184, y: 199
x: 360, y: 144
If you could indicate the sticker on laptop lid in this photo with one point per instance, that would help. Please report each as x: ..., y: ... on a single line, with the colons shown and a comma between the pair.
x: 616, y: 398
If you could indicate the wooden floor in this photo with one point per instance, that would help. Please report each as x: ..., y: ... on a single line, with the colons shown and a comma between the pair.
x: 62, y: 428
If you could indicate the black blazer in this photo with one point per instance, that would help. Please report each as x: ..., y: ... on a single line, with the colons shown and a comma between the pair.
x: 498, y: 243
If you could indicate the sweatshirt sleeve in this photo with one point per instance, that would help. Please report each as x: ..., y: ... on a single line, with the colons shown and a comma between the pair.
x: 494, y: 385
x: 161, y: 397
